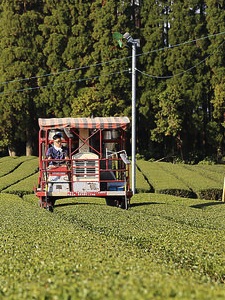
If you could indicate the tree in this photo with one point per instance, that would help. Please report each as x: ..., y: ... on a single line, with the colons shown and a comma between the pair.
x: 174, y: 64
x: 108, y: 75
x: 154, y: 38
x: 19, y: 63
x: 59, y: 47
x: 59, y: 59
x: 215, y: 15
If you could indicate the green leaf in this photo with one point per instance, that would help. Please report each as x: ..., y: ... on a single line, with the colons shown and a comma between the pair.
x: 118, y: 37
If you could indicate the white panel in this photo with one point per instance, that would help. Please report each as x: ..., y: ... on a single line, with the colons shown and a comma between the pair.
x: 58, y: 187
x: 86, y: 186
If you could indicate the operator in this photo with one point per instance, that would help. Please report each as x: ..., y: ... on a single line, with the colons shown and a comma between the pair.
x: 57, y: 151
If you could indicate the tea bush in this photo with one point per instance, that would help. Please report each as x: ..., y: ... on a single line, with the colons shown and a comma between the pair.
x: 195, y: 181
x: 142, y: 183
x: 204, y: 181
x: 164, y: 247
x: 188, y: 181
x: 18, y: 171
x: 164, y: 181
x: 9, y: 163
x: 24, y: 186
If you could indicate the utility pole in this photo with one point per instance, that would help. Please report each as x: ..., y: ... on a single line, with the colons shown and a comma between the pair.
x: 135, y: 44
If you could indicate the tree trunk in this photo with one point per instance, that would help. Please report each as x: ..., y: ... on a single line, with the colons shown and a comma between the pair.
x: 29, y: 149
x: 29, y: 141
x: 12, y: 151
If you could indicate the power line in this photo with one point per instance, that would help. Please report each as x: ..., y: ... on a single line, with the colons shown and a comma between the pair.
x: 183, y: 72
x: 60, y: 84
x: 110, y: 61
x: 181, y: 44
x: 178, y: 74
x: 65, y: 71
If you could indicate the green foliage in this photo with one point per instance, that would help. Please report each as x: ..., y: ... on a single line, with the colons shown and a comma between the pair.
x: 24, y: 186
x: 59, y: 59
x: 91, y: 103
x: 142, y: 182
x: 163, y: 181
x: 162, y: 248
x: 168, y: 119
x: 201, y: 181
x: 219, y: 100
x: 22, y: 169
x: 9, y: 164
x: 20, y: 57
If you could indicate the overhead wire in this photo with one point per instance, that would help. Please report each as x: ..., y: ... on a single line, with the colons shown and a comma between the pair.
x: 64, y: 71
x: 181, y: 44
x: 103, y: 63
x: 183, y: 72
x: 62, y: 83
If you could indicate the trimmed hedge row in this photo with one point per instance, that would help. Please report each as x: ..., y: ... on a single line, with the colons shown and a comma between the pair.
x: 163, y: 181
x: 163, y: 248
x: 197, y: 181
x: 24, y: 169
x: 9, y: 163
x: 204, y: 182
x: 185, y: 235
x: 24, y: 186
x: 142, y: 183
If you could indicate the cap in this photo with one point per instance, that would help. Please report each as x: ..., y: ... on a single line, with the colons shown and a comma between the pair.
x: 58, y: 135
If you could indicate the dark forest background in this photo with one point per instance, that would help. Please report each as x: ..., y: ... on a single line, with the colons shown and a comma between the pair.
x: 59, y: 59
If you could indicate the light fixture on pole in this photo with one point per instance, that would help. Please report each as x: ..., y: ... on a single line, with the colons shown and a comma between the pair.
x: 135, y: 43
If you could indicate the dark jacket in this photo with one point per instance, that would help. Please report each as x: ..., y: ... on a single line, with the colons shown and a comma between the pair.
x: 57, y: 154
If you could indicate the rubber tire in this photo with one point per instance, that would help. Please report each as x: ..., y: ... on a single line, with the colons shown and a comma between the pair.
x: 50, y: 208
x: 110, y: 201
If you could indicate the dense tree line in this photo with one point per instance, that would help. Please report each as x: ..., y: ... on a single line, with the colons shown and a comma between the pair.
x: 59, y: 59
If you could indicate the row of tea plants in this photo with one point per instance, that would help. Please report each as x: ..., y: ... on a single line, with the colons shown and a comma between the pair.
x: 191, y: 181
x: 19, y: 176
x: 164, y: 247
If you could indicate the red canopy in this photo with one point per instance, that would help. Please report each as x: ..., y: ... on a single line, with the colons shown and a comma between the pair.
x: 92, y: 123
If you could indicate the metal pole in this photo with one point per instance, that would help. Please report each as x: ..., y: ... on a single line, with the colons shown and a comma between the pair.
x: 133, y: 133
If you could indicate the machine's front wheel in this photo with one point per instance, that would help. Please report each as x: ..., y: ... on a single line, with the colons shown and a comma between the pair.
x: 50, y: 208
x: 47, y: 203
x: 110, y: 201
x: 121, y: 202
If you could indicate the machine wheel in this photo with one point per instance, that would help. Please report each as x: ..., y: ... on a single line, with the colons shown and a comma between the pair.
x: 41, y: 202
x: 49, y: 208
x: 47, y: 203
x: 50, y: 204
x: 121, y: 202
x: 126, y: 202
x: 110, y: 201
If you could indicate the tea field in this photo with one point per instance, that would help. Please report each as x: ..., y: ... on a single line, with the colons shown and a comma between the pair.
x: 164, y: 247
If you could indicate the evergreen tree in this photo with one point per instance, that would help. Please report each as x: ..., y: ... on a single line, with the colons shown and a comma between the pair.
x: 20, y: 58
x: 154, y: 38
x: 188, y: 59
x: 215, y: 14
x: 108, y: 90
x: 78, y: 47
x: 62, y: 51
x: 176, y: 73
x: 59, y: 58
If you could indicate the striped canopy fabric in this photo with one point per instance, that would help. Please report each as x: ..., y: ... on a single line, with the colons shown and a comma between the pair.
x: 91, y: 123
